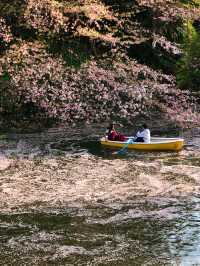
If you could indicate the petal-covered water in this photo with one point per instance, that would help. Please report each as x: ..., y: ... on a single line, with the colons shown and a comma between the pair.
x: 65, y: 200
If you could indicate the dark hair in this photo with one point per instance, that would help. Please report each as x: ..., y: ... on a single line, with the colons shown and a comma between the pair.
x: 111, y: 127
x: 144, y: 126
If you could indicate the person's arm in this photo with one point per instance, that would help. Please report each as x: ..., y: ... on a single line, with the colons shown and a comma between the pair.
x: 106, y: 134
x: 145, y: 134
x: 138, y: 134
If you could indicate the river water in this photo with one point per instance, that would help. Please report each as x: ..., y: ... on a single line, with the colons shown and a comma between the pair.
x: 65, y: 200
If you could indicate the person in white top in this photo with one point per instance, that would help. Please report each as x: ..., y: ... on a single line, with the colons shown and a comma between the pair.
x: 144, y: 135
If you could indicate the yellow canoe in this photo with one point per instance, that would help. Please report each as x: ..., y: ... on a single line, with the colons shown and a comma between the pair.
x: 156, y: 144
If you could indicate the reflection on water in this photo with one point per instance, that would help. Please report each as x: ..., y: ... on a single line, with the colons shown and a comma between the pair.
x: 153, y: 232
x: 65, y: 200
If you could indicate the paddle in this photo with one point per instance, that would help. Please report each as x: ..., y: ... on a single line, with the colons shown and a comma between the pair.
x: 125, y: 147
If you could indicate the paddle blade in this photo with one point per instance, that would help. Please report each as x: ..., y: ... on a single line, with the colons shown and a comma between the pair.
x: 125, y: 148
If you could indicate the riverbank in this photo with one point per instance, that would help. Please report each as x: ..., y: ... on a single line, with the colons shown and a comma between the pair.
x: 96, y: 61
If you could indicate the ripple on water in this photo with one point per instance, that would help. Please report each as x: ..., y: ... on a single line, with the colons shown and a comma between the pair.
x: 67, y: 201
x: 144, y: 233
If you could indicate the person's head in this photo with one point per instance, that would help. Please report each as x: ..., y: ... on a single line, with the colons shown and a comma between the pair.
x: 111, y: 127
x: 144, y: 126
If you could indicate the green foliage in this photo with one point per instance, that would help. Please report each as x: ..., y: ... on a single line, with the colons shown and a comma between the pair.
x: 74, y: 52
x: 191, y: 3
x: 174, y: 33
x: 5, y: 76
x: 12, y: 8
x: 188, y: 68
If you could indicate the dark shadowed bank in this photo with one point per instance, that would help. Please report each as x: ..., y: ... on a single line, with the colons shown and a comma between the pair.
x: 90, y: 61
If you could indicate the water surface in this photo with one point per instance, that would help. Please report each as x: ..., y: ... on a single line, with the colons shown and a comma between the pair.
x: 65, y: 200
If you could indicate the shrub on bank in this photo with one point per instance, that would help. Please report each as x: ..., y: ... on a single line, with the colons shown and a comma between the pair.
x: 188, y: 68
